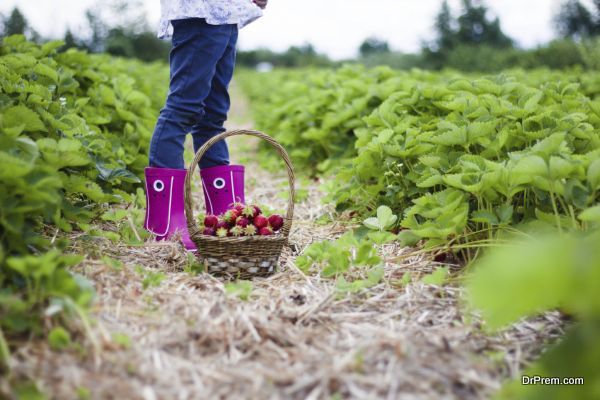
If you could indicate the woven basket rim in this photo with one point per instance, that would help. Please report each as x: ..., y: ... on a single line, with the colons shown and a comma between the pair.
x: 241, y: 239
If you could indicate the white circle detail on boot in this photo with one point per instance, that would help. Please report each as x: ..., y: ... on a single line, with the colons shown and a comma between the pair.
x: 219, y: 183
x: 158, y: 185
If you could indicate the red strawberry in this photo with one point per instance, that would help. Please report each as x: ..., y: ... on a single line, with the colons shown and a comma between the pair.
x: 221, y: 224
x: 209, y: 231
x: 258, y: 210
x: 251, y: 211
x: 266, y: 231
x: 250, y: 230
x: 222, y: 232
x: 236, y: 231
x: 237, y: 206
x: 242, y: 221
x: 260, y: 221
x: 276, y: 222
x: 210, y: 221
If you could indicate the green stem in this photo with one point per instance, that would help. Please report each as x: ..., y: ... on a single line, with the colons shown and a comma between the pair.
x: 86, y: 326
x: 4, y: 354
x: 556, y: 214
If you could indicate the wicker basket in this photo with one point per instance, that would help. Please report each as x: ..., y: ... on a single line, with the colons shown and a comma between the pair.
x: 239, y: 257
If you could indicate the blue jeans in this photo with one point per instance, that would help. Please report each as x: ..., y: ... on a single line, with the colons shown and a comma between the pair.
x: 202, y: 60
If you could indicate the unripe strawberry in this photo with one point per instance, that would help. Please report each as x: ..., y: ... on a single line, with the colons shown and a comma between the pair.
x: 209, y: 231
x: 236, y: 231
x: 251, y: 211
x: 266, y: 231
x: 210, y: 221
x: 260, y: 221
x: 242, y: 221
x: 276, y: 222
x: 250, y: 230
x: 222, y: 232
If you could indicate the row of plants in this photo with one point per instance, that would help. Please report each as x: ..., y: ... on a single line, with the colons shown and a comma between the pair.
x: 509, y: 162
x: 451, y: 154
x: 74, y: 134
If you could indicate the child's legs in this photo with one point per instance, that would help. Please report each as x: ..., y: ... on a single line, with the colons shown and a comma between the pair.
x: 215, y: 111
x: 197, y: 49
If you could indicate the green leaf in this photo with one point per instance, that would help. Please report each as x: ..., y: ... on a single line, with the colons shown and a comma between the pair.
x: 114, y: 215
x: 304, y: 263
x: 485, y: 216
x: 13, y: 131
x: 14, y: 167
x: 18, y: 116
x: 51, y: 46
x: 240, y: 289
x: 505, y: 213
x: 80, y: 185
x: 591, y: 214
x: 527, y: 168
x: 385, y: 217
x: 338, y: 261
x: 430, y: 181
x: 437, y: 277
x: 408, y: 238
x: 531, y: 276
x: 451, y: 138
x: 59, y: 338
x: 121, y: 339
x: 406, y: 278
x: 532, y: 103
x: 381, y: 237
x: 28, y: 390
x: 64, y: 153
x: 115, y: 264
x: 152, y: 279
x: 374, y: 276
x: 45, y: 70
x: 366, y: 254
x: 560, y: 168
x: 593, y: 175
x: 372, y: 223
x: 113, y: 174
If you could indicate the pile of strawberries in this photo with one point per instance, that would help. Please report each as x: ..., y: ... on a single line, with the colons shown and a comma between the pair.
x: 242, y: 220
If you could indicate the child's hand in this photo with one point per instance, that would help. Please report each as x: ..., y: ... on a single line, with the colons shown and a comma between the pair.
x: 261, y: 3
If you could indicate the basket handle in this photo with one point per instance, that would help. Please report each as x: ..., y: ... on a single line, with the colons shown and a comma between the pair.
x: 189, y: 202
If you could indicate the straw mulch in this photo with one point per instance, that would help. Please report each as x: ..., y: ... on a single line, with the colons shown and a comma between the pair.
x: 294, y: 338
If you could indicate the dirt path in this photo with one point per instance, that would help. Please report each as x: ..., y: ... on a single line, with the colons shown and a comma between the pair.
x: 293, y: 338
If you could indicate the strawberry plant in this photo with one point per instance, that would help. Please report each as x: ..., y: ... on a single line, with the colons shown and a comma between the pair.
x: 74, y: 133
x: 453, y: 154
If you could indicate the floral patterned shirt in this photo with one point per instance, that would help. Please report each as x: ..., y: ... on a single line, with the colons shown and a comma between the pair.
x: 216, y: 12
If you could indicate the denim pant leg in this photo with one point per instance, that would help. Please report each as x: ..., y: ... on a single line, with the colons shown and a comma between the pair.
x: 215, y: 111
x: 197, y: 49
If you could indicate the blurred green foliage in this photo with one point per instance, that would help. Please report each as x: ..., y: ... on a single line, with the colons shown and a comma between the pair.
x: 542, y: 273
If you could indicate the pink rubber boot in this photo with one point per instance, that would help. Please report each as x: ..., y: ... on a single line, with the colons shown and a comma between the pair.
x: 165, y: 212
x: 223, y: 185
